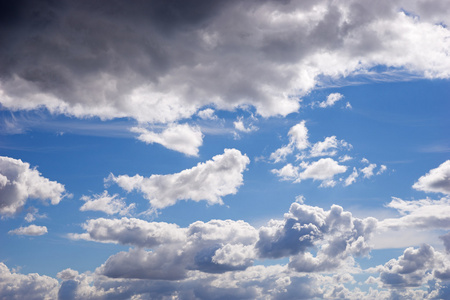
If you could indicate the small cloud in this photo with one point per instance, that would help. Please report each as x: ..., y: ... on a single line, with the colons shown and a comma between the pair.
x: 436, y: 180
x: 105, y: 203
x: 239, y: 125
x: 368, y: 171
x: 178, y: 137
x: 345, y: 158
x: 382, y: 169
x: 207, y: 114
x: 348, y: 105
x: 31, y: 230
x: 331, y: 100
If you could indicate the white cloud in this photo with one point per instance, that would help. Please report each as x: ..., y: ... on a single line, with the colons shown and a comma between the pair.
x: 32, y: 286
x: 331, y: 100
x: 382, y: 169
x: 298, y: 139
x: 323, y: 169
x: 239, y: 125
x: 207, y: 114
x: 19, y: 182
x: 207, y: 181
x: 32, y: 230
x: 288, y: 172
x: 323, y: 148
x: 423, y: 214
x: 345, y: 158
x: 435, y: 181
x: 368, y: 171
x: 179, y: 137
x: 351, y: 178
x: 105, y: 203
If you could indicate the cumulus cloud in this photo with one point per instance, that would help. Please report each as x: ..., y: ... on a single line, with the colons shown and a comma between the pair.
x: 32, y: 286
x: 240, y: 126
x: 298, y: 139
x: 31, y: 230
x: 178, y: 137
x: 435, y: 181
x: 323, y: 148
x: 19, y: 182
x: 424, y: 214
x: 106, y: 203
x: 208, y: 181
x: 85, y: 62
x: 207, y: 114
x: 368, y: 171
x: 351, y: 178
x: 331, y: 100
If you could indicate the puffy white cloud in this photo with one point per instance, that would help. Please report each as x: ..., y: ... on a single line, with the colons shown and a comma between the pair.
x: 32, y: 286
x: 382, y: 169
x: 368, y: 171
x: 105, y: 203
x: 423, y: 214
x: 32, y: 230
x: 336, y: 234
x: 323, y: 148
x: 207, y: 114
x: 131, y: 231
x: 85, y: 62
x: 207, y: 181
x: 179, y: 137
x: 436, y: 181
x: 298, y: 139
x: 345, y: 158
x: 331, y: 100
x: 323, y: 169
x: 19, y: 182
x: 239, y: 126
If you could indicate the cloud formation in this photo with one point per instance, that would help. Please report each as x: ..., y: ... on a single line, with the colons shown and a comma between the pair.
x: 208, y: 181
x: 178, y: 137
x: 105, y: 203
x: 157, y: 62
x: 19, y: 182
x: 435, y: 181
x: 31, y: 230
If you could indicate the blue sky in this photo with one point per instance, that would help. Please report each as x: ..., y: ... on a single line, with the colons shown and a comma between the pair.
x: 197, y: 150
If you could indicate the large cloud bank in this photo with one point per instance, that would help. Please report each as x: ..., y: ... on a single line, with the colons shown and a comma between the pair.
x: 162, y: 61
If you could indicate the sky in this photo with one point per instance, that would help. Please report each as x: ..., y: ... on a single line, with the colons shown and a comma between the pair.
x: 225, y: 149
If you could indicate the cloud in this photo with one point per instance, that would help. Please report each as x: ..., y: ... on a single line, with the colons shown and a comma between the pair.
x: 288, y: 172
x: 207, y: 114
x: 31, y: 230
x: 368, y: 171
x: 105, y: 203
x: 331, y: 100
x: 435, y: 181
x: 351, y: 178
x: 239, y: 125
x: 423, y: 214
x: 414, y: 267
x: 323, y: 148
x: 207, y: 181
x: 19, y: 182
x: 32, y: 286
x: 298, y: 139
x: 323, y: 169
x: 130, y: 61
x: 178, y: 137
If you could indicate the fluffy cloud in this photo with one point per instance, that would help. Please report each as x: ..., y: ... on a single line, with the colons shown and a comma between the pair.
x: 331, y: 100
x: 415, y: 267
x: 158, y: 62
x: 31, y: 286
x: 298, y: 139
x: 207, y: 181
x: 105, y: 203
x: 336, y: 234
x: 435, y: 181
x: 240, y: 126
x: 32, y: 230
x: 179, y: 137
x: 324, y: 169
x: 423, y: 214
x: 19, y: 182
x: 323, y: 148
